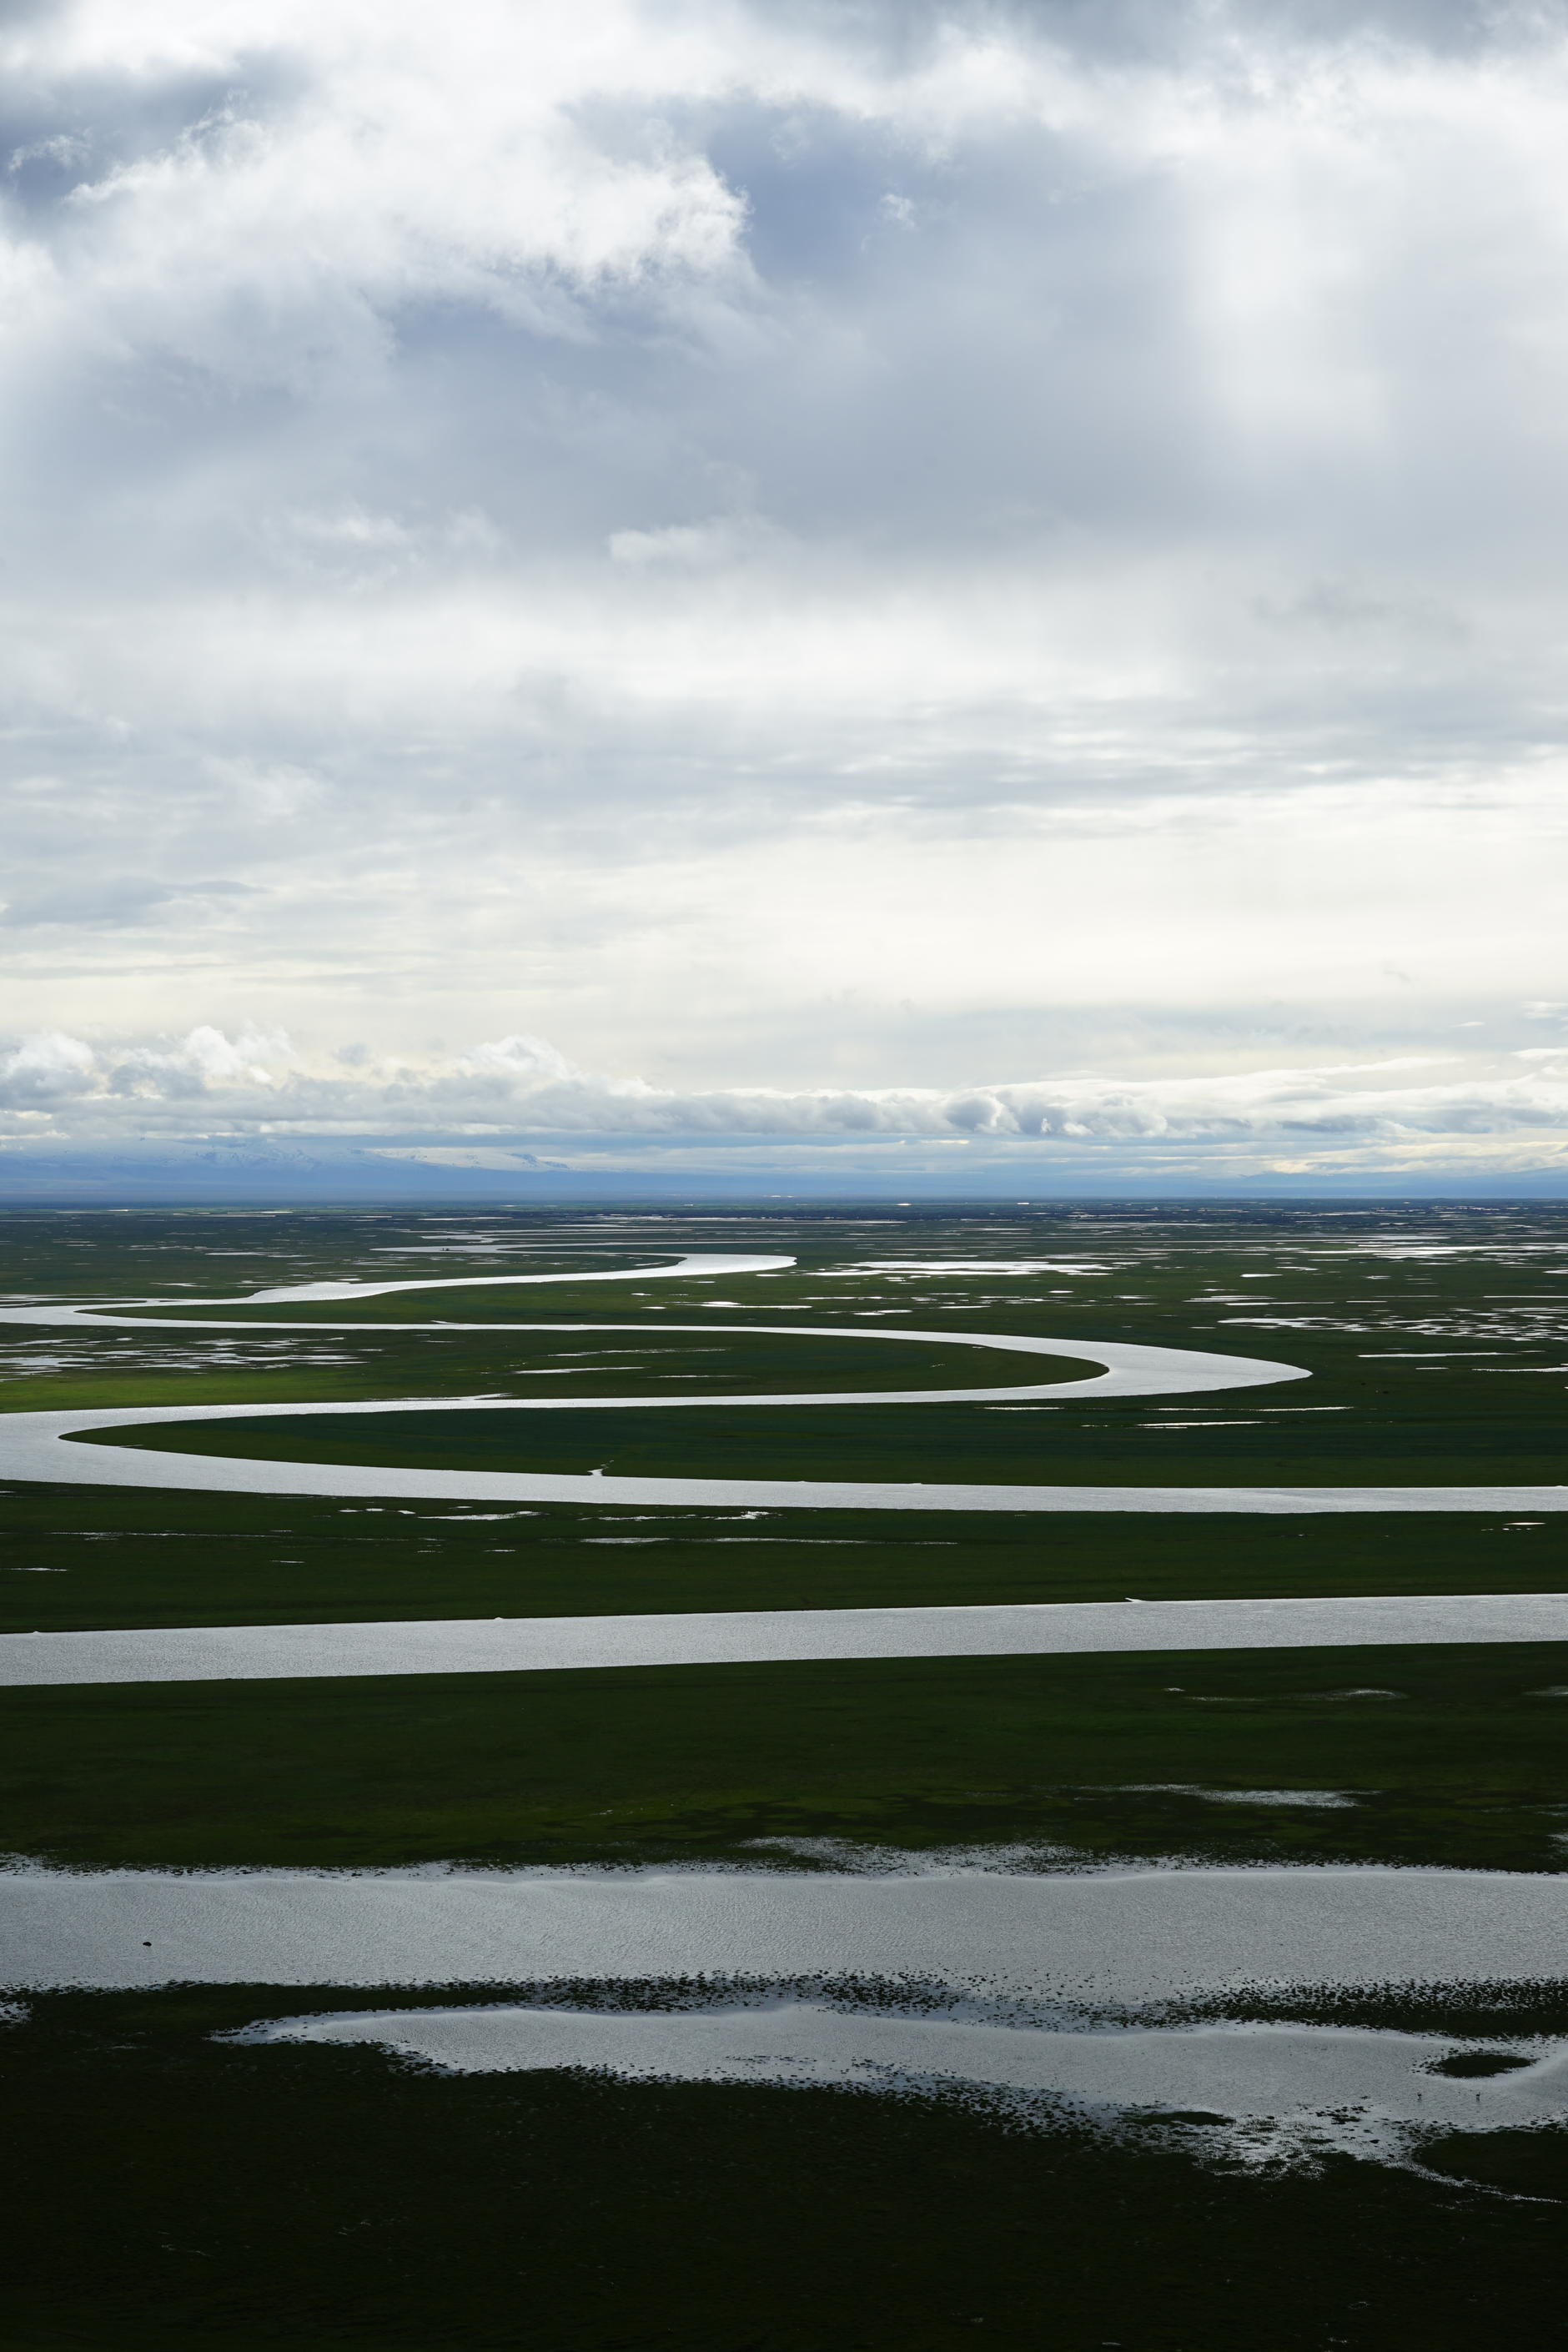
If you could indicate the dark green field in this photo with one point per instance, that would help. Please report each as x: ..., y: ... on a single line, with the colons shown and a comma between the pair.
x: 1456, y: 1756
x: 165, y: 2189
x: 120, y: 1556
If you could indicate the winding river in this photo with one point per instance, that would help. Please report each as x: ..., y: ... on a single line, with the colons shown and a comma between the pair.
x: 39, y: 1446
x: 1016, y: 1961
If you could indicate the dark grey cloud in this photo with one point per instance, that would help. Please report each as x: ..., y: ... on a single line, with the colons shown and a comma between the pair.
x: 903, y: 33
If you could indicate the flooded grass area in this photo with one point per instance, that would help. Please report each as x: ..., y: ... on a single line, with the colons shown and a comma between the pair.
x: 84, y: 1366
x: 1436, y: 1341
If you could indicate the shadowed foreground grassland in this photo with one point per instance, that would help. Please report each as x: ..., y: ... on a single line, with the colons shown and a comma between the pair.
x: 1458, y: 1756
x: 159, y: 2196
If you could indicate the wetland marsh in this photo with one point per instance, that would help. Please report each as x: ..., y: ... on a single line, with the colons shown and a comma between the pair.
x: 1403, y: 1350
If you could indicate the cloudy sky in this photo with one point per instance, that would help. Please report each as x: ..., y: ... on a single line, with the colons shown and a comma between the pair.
x: 847, y: 586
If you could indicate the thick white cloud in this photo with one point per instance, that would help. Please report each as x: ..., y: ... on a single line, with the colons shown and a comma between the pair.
x: 520, y: 1091
x: 790, y: 547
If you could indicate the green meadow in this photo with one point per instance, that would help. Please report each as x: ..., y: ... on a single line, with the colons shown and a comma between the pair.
x: 80, y: 1557
x: 1454, y: 1755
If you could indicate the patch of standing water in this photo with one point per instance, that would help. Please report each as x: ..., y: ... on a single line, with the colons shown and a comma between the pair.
x: 962, y: 1266
x: 1260, y: 2094
x: 1318, y: 1799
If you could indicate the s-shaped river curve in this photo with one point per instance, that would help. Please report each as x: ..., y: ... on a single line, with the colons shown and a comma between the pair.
x: 31, y: 1447
x: 31, y: 1444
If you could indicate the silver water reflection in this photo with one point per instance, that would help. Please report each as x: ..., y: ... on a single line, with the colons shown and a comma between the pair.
x: 1016, y: 1987
x: 1292, y: 2089
x: 1088, y: 1938
x: 685, y: 1638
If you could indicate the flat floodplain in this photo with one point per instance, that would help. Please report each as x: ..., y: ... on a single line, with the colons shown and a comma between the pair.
x: 1436, y: 1343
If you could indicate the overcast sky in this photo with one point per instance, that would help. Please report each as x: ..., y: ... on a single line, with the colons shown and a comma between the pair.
x: 813, y: 580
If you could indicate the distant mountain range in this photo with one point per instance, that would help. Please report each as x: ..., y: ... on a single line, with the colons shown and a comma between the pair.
x: 298, y: 1173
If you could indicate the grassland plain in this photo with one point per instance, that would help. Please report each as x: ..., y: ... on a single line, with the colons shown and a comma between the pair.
x: 311, y: 2197
x: 1455, y: 1755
